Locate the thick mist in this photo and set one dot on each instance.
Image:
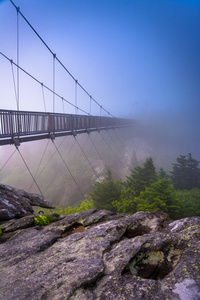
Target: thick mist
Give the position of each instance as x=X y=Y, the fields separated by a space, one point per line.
x=163 y=136
x=170 y=134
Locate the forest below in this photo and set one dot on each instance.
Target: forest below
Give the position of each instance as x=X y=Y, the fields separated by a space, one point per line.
x=177 y=194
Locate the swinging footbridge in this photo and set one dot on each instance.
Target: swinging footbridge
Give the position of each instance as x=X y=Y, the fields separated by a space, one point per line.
x=18 y=126
x=25 y=126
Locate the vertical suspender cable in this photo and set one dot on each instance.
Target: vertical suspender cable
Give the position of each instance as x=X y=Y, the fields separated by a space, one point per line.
x=90 y=104
x=54 y=77
x=76 y=82
x=43 y=97
x=13 y=76
x=18 y=58
x=54 y=55
x=63 y=105
x=18 y=117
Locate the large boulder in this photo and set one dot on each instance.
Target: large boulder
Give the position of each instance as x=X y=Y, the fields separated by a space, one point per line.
x=16 y=203
x=101 y=255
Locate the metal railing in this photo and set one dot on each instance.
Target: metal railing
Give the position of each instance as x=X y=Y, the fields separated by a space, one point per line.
x=18 y=125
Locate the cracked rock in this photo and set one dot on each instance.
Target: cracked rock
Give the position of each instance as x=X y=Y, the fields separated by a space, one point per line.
x=101 y=255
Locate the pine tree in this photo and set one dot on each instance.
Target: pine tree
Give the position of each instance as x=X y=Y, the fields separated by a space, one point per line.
x=141 y=177
x=160 y=195
x=106 y=192
x=185 y=173
x=162 y=174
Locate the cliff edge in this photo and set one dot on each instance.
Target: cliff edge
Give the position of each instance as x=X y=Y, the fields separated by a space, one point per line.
x=100 y=255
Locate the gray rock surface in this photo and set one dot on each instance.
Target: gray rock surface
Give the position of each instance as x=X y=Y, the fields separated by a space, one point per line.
x=101 y=255
x=16 y=203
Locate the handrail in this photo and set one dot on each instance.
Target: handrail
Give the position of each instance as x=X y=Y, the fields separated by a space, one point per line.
x=15 y=124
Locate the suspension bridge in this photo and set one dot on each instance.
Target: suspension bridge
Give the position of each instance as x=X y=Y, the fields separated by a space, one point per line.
x=18 y=126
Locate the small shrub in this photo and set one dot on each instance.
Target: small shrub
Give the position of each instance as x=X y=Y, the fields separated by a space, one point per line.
x=41 y=220
x=51 y=218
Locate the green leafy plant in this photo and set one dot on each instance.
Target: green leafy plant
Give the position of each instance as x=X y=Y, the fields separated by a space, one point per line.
x=41 y=220
x=85 y=205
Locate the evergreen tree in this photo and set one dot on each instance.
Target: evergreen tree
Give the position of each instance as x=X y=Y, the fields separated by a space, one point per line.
x=126 y=203
x=141 y=177
x=106 y=192
x=185 y=173
x=160 y=195
x=190 y=200
x=162 y=174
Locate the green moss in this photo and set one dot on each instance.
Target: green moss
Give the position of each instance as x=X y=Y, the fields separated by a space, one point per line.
x=1 y=231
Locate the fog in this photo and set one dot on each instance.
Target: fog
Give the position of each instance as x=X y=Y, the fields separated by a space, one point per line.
x=163 y=136
x=171 y=134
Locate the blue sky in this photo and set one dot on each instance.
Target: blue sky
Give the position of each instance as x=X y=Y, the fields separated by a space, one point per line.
x=131 y=55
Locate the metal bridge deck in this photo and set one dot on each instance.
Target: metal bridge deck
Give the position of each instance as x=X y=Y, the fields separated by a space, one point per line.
x=24 y=126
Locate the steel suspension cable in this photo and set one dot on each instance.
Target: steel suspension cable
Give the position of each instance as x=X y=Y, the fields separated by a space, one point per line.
x=30 y=171
x=8 y=160
x=123 y=142
x=95 y=147
x=125 y=134
x=86 y=157
x=63 y=105
x=51 y=157
x=76 y=94
x=68 y=169
x=45 y=86
x=39 y=164
x=43 y=96
x=90 y=104
x=13 y=76
x=19 y=12
x=54 y=78
x=18 y=58
x=108 y=132
x=120 y=135
x=111 y=150
x=58 y=169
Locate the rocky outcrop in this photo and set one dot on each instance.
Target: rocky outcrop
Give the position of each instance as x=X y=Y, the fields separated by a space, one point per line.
x=16 y=203
x=101 y=255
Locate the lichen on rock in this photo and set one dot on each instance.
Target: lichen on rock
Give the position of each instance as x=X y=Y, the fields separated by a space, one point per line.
x=101 y=255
